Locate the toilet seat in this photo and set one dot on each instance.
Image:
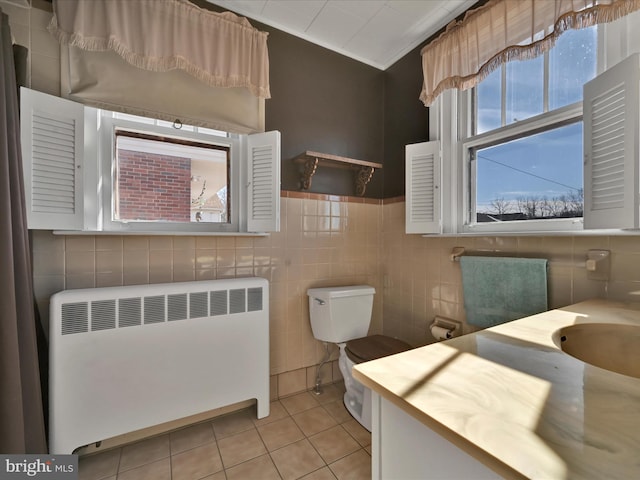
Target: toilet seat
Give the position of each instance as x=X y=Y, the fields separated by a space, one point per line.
x=372 y=347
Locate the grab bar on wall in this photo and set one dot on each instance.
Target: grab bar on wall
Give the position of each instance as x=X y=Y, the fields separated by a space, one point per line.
x=596 y=261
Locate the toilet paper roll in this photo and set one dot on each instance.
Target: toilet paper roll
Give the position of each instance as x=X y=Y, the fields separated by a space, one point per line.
x=440 y=333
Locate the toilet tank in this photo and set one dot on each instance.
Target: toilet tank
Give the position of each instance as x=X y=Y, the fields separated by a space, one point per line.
x=340 y=314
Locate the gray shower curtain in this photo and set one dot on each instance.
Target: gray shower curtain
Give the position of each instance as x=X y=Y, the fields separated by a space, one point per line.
x=21 y=413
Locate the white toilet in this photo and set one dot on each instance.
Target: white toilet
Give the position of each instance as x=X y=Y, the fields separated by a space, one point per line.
x=342 y=315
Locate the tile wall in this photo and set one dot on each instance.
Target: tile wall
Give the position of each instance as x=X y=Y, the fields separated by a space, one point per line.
x=324 y=241
x=421 y=281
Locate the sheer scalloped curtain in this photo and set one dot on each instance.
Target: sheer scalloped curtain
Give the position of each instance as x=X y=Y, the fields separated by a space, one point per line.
x=503 y=30
x=22 y=427
x=166 y=59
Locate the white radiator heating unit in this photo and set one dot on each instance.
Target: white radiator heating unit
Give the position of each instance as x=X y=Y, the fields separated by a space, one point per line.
x=126 y=358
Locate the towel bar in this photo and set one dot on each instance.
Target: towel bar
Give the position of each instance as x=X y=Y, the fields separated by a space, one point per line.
x=596 y=261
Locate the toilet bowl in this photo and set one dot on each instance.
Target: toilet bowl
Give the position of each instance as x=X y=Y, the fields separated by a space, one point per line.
x=342 y=315
x=357 y=398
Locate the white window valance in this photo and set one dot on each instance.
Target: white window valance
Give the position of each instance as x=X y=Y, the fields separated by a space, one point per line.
x=219 y=49
x=504 y=30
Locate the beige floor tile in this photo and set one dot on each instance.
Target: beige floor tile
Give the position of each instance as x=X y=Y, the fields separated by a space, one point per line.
x=159 y=470
x=196 y=463
x=280 y=433
x=356 y=466
x=300 y=402
x=357 y=431
x=241 y=443
x=98 y=466
x=216 y=476
x=334 y=443
x=191 y=437
x=241 y=447
x=330 y=393
x=324 y=473
x=276 y=412
x=233 y=423
x=314 y=421
x=338 y=411
x=144 y=452
x=261 y=468
x=297 y=459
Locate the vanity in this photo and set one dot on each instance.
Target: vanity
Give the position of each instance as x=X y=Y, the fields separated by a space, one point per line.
x=520 y=400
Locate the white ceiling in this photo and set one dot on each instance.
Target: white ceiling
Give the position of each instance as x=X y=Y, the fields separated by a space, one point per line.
x=375 y=32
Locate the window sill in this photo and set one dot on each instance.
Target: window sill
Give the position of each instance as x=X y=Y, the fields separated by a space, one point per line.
x=161 y=233
x=548 y=233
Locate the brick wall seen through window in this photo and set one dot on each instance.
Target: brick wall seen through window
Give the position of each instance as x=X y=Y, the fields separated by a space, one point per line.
x=153 y=187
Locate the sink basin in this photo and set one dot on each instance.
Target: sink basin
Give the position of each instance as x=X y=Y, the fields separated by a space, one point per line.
x=614 y=347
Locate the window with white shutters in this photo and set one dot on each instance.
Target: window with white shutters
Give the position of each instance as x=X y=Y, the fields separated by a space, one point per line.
x=548 y=144
x=145 y=175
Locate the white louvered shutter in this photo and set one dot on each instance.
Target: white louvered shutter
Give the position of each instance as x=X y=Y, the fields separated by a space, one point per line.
x=52 y=138
x=611 y=132
x=422 y=184
x=264 y=182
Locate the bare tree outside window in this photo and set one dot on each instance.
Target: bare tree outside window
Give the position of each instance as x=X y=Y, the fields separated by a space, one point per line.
x=567 y=205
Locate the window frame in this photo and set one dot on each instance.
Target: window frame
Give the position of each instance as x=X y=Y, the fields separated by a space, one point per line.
x=540 y=123
x=178 y=147
x=545 y=121
x=108 y=124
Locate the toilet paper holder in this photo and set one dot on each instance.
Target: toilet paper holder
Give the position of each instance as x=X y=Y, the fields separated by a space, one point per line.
x=453 y=326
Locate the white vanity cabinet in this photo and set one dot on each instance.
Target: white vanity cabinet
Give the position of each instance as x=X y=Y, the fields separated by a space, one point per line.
x=403 y=448
x=508 y=402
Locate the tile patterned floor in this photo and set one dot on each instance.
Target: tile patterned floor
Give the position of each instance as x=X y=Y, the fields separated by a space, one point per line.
x=305 y=436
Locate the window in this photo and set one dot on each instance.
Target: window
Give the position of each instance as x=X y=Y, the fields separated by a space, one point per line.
x=163 y=179
x=537 y=176
x=524 y=155
x=160 y=176
x=143 y=175
x=523 y=89
x=515 y=154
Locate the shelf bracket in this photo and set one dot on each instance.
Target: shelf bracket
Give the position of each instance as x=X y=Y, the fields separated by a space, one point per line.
x=310 y=168
x=363 y=178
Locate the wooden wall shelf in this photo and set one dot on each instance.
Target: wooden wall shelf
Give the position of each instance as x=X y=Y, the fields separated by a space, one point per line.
x=364 y=170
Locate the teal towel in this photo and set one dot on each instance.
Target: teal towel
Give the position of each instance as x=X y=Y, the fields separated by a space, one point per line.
x=501 y=289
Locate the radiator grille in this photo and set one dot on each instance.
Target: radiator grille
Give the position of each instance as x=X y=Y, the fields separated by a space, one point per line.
x=198 y=306
x=237 y=300
x=219 y=303
x=98 y=315
x=254 y=299
x=177 y=304
x=75 y=318
x=103 y=315
x=154 y=309
x=129 y=312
